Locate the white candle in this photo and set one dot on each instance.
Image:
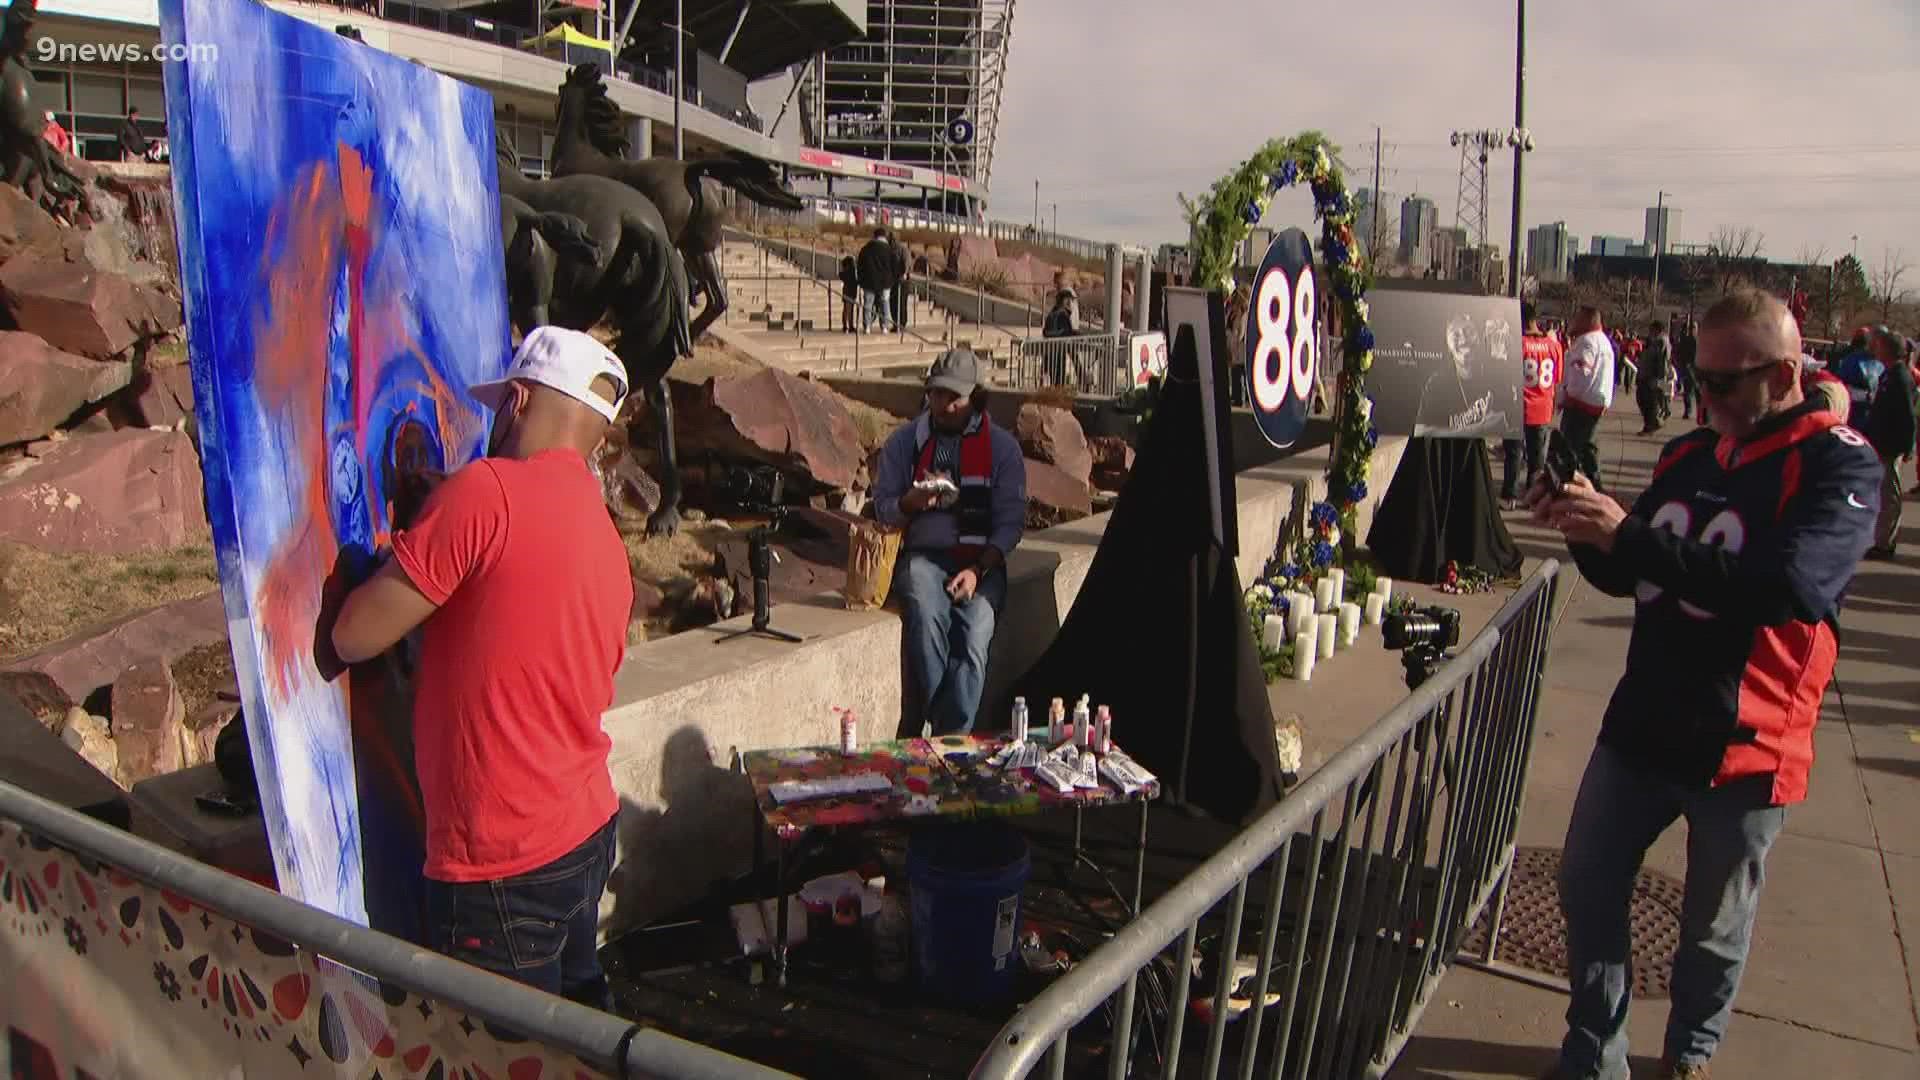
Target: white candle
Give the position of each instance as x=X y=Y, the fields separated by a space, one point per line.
x=1303 y=646
x=1339 y=577
x=1349 y=624
x=1323 y=594
x=1329 y=628
x=1376 y=607
x=1271 y=632
x=1299 y=610
x=1383 y=588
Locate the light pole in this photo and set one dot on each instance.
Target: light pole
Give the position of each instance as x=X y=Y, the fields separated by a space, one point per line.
x=1659 y=241
x=679 y=76
x=1036 y=208
x=1520 y=145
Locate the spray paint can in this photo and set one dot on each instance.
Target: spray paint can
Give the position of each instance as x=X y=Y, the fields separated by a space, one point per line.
x=1019 y=720
x=1103 y=737
x=1056 y=722
x=848 y=732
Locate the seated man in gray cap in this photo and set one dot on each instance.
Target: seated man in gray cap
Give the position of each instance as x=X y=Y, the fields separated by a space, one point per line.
x=958 y=484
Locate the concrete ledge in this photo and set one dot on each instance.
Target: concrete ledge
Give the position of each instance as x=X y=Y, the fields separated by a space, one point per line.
x=684 y=705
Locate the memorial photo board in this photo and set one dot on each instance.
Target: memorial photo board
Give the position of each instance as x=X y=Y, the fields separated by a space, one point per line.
x=1444 y=365
x=341 y=268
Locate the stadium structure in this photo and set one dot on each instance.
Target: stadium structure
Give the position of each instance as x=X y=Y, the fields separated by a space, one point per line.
x=874 y=87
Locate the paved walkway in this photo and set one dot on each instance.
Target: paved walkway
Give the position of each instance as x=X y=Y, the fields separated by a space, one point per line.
x=1830 y=987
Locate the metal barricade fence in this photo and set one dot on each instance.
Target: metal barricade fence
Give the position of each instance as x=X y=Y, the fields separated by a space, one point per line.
x=108 y=931
x=1351 y=933
x=1094 y=364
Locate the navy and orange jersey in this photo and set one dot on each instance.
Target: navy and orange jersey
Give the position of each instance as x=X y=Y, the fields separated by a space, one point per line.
x=1737 y=556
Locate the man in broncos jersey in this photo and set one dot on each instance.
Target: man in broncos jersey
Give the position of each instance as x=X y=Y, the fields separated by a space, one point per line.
x=1737 y=555
x=1540 y=359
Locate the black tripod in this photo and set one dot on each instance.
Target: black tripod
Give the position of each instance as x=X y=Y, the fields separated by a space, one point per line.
x=760 y=563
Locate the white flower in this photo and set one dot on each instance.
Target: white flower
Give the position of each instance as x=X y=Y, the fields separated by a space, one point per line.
x=1361 y=310
x=1289 y=748
x=1262 y=591
x=1321 y=162
x=1333 y=536
x=1366 y=408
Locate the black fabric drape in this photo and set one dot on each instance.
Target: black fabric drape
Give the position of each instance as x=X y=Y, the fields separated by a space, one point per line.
x=1441 y=507
x=1137 y=621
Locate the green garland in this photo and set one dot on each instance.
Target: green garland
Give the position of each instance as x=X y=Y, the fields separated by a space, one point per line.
x=1220 y=221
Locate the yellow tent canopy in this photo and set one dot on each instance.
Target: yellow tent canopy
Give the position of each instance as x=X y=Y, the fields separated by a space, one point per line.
x=565 y=33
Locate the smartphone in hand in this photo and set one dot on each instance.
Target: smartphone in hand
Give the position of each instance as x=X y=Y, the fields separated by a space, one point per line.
x=1561 y=464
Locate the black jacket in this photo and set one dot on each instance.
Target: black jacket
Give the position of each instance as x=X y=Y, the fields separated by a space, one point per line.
x=1889 y=423
x=131 y=139
x=878 y=268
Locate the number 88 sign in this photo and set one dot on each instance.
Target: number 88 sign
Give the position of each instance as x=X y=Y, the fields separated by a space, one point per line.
x=1283 y=359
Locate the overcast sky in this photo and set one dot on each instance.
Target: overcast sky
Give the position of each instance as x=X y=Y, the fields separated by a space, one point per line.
x=1801 y=120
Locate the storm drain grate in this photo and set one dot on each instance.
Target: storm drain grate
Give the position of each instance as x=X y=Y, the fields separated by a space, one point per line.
x=1533 y=935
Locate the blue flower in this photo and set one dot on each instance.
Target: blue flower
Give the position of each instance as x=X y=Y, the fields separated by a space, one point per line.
x=1288 y=174
x=1357 y=492
x=1344 y=291
x=1362 y=339
x=1251 y=215
x=1289 y=571
x=1335 y=251
x=1373 y=436
x=1340 y=203
x=1323 y=554
x=1324 y=515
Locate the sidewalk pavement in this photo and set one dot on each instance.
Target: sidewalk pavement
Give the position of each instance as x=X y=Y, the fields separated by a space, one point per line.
x=1829 y=990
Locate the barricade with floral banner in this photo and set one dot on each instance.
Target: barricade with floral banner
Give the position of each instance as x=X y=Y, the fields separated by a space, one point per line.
x=107 y=976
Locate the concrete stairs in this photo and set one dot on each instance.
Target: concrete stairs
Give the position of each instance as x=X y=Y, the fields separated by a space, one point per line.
x=788 y=319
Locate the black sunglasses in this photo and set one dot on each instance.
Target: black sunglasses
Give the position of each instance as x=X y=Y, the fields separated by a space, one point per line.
x=1721 y=383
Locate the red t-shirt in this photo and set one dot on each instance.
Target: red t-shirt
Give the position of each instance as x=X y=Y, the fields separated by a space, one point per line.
x=517 y=664
x=1541 y=361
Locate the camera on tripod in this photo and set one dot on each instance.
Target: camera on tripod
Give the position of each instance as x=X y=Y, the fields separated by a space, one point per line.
x=1423 y=637
x=754 y=489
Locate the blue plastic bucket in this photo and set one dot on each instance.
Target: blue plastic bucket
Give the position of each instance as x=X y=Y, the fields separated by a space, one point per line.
x=966 y=882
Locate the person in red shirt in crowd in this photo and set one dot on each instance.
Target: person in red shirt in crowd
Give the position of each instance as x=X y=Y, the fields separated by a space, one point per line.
x=1541 y=359
x=519 y=583
x=56 y=135
x=1628 y=349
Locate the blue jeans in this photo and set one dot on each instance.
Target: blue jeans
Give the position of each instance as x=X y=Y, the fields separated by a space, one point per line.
x=538 y=928
x=1621 y=809
x=946 y=643
x=874 y=308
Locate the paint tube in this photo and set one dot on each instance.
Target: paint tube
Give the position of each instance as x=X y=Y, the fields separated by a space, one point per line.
x=1056 y=774
x=1103 y=734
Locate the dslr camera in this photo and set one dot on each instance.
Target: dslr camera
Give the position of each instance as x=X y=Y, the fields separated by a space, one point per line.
x=1423 y=637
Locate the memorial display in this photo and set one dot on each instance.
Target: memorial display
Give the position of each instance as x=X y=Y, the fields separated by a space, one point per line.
x=1446 y=365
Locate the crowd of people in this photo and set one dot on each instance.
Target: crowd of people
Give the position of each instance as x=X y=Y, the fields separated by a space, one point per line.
x=1868 y=383
x=876 y=285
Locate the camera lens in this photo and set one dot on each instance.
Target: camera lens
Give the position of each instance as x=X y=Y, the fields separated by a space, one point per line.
x=1410 y=630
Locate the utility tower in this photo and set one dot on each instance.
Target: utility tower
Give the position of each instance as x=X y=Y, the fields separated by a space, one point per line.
x=1470 y=208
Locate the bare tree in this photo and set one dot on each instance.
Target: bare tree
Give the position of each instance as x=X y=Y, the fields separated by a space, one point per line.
x=1884 y=282
x=1735 y=249
x=1811 y=255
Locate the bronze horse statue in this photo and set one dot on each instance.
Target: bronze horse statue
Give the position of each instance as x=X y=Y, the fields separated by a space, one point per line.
x=610 y=258
x=534 y=244
x=26 y=157
x=591 y=139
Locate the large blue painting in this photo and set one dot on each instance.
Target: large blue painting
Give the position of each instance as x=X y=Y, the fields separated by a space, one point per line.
x=340 y=258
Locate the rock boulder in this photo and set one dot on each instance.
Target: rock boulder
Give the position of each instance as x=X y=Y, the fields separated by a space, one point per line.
x=80 y=665
x=1052 y=434
x=800 y=427
x=116 y=494
x=1054 y=497
x=149 y=722
x=41 y=386
x=25 y=229
x=90 y=737
x=82 y=309
x=157 y=397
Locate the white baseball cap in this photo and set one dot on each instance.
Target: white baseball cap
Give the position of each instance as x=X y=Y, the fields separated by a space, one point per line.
x=565 y=360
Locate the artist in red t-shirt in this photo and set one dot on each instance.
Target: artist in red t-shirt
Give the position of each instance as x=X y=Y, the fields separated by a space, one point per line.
x=519 y=583
x=1540 y=357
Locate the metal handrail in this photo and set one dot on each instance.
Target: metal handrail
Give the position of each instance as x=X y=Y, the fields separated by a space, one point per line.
x=604 y=1041
x=1115 y=966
